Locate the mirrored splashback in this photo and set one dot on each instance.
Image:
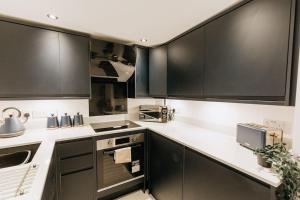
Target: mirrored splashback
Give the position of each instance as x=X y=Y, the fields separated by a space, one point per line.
x=107 y=97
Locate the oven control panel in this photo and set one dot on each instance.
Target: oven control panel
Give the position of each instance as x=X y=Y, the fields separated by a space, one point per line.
x=120 y=141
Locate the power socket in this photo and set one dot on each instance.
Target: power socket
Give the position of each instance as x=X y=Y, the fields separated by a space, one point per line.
x=42 y=114
x=276 y=124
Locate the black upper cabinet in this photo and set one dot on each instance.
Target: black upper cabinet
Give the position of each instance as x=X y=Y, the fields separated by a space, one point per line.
x=29 y=64
x=158 y=71
x=246 y=52
x=138 y=84
x=74 y=61
x=37 y=63
x=166 y=168
x=185 y=65
x=207 y=179
x=242 y=54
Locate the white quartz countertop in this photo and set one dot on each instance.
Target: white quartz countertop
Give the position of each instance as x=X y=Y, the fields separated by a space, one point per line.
x=42 y=158
x=218 y=146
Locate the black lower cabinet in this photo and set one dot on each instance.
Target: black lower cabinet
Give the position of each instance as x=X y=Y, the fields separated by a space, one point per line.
x=166 y=167
x=208 y=180
x=76 y=172
x=78 y=186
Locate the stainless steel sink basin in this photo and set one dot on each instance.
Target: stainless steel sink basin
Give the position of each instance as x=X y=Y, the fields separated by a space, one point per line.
x=17 y=155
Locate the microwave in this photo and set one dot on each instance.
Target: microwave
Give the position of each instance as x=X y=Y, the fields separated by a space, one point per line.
x=155 y=113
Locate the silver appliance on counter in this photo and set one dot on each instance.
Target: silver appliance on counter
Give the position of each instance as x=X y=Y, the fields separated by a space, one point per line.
x=13 y=124
x=255 y=136
x=65 y=121
x=156 y=113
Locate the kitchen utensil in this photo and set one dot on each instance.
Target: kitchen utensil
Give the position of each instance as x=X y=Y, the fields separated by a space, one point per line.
x=78 y=120
x=65 y=121
x=13 y=125
x=52 y=122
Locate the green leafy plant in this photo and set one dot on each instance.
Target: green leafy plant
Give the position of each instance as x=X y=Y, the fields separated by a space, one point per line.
x=286 y=165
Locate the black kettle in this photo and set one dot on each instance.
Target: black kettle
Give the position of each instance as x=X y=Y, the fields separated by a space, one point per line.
x=13 y=125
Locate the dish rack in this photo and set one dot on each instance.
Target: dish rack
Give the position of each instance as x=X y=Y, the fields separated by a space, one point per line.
x=17 y=181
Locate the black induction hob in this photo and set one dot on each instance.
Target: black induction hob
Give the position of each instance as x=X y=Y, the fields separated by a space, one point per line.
x=114 y=125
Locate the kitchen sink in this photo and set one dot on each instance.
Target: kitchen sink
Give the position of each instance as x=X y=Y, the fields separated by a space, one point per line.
x=14 y=156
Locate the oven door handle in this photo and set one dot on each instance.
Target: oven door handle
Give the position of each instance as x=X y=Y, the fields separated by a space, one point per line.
x=108 y=152
x=113 y=151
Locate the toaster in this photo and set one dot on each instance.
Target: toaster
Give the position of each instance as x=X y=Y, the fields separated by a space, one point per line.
x=255 y=136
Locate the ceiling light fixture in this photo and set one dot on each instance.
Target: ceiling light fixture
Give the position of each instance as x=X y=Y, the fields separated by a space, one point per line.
x=143 y=40
x=52 y=16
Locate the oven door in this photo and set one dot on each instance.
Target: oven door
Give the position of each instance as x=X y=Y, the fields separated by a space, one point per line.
x=110 y=174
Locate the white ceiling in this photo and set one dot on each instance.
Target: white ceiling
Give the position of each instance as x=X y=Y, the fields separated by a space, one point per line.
x=127 y=20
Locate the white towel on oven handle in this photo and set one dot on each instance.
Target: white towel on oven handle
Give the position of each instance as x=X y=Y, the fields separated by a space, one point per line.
x=122 y=155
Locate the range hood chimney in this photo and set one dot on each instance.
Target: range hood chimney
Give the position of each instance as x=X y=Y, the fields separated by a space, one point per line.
x=113 y=61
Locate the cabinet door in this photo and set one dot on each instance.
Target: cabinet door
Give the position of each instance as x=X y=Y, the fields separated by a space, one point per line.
x=76 y=173
x=142 y=72
x=206 y=179
x=166 y=168
x=29 y=61
x=78 y=186
x=74 y=62
x=246 y=52
x=185 y=65
x=158 y=71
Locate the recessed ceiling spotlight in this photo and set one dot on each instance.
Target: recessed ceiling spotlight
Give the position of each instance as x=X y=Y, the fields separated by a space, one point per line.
x=143 y=40
x=52 y=16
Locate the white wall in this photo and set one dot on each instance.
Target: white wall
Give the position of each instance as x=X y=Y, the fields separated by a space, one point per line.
x=133 y=110
x=39 y=110
x=296 y=128
x=225 y=116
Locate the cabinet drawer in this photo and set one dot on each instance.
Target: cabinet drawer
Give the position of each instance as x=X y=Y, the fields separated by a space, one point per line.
x=78 y=186
x=75 y=148
x=76 y=163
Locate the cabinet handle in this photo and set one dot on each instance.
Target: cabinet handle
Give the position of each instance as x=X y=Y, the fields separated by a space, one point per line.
x=77 y=171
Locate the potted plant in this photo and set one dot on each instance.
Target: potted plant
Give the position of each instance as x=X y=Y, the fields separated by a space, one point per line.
x=286 y=165
x=264 y=156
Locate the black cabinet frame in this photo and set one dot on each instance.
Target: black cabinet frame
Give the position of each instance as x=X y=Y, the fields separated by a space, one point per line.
x=271 y=189
x=59 y=94
x=235 y=171
x=292 y=62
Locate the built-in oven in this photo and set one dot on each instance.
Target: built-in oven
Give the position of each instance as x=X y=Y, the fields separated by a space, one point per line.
x=111 y=172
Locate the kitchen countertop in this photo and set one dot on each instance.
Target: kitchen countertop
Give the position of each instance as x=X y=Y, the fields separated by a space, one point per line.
x=218 y=146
